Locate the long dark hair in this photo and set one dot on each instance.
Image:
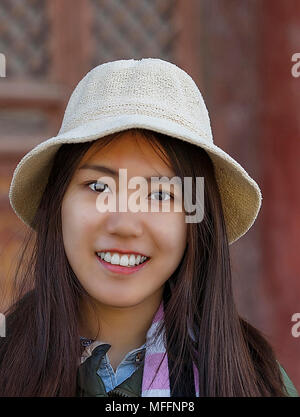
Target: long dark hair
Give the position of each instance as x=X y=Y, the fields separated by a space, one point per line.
x=41 y=352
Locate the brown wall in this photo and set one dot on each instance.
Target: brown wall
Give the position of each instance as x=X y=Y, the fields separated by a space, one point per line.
x=280 y=164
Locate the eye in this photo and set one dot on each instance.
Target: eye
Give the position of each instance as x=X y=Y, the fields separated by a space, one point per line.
x=102 y=186
x=160 y=193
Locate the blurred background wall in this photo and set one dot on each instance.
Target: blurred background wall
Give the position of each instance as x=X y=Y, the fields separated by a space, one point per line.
x=239 y=53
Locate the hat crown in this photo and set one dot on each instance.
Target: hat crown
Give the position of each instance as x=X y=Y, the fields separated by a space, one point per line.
x=150 y=87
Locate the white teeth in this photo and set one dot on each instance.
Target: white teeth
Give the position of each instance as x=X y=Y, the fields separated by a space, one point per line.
x=132 y=260
x=107 y=257
x=115 y=260
x=123 y=260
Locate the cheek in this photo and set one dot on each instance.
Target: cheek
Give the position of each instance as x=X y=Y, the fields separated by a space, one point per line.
x=170 y=235
x=75 y=225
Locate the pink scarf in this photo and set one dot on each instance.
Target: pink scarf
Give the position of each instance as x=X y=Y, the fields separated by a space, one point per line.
x=155 y=350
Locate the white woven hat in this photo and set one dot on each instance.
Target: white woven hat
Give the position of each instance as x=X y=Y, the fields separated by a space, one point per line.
x=149 y=93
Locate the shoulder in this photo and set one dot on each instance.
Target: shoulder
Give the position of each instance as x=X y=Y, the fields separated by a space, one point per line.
x=289 y=386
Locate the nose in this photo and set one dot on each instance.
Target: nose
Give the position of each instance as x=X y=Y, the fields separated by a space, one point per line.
x=124 y=224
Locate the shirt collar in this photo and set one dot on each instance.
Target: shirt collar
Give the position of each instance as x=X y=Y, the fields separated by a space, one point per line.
x=91 y=344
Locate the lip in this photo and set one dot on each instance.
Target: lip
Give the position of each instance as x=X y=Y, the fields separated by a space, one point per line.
x=124 y=270
x=122 y=251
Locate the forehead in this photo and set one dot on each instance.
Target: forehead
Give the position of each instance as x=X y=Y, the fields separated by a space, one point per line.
x=128 y=150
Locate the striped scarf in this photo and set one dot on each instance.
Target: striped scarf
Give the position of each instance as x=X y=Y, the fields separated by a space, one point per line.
x=155 y=349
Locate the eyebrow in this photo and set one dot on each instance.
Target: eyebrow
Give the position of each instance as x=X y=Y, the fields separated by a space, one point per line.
x=110 y=171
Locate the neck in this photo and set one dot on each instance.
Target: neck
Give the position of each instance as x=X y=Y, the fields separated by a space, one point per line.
x=124 y=328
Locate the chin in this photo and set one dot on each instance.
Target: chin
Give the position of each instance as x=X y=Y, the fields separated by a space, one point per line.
x=119 y=300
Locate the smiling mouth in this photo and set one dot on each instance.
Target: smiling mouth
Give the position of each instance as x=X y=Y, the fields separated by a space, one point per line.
x=125 y=260
x=120 y=269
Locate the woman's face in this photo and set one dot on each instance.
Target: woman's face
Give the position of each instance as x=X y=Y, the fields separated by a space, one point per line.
x=160 y=236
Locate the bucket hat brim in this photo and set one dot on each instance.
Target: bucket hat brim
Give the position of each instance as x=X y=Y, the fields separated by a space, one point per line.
x=240 y=195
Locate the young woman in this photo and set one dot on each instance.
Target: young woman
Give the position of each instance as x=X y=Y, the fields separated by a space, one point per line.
x=114 y=301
